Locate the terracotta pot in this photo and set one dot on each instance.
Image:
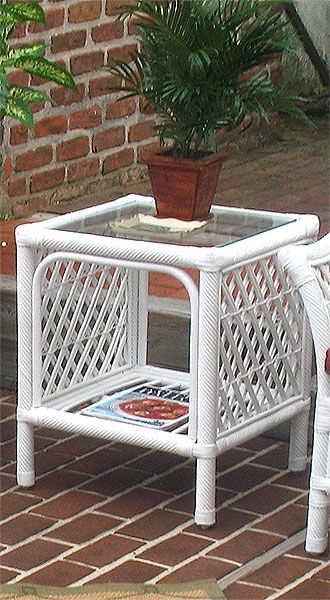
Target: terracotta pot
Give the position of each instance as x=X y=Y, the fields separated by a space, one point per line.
x=184 y=188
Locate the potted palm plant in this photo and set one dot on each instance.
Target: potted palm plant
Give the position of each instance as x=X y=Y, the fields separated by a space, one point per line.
x=199 y=67
x=15 y=100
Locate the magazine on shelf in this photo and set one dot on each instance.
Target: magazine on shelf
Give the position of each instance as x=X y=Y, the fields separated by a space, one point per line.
x=149 y=406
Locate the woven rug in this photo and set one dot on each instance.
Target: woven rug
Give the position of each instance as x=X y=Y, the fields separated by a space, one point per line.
x=196 y=590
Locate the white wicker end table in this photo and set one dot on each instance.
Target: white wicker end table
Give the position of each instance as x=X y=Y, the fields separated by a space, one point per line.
x=82 y=326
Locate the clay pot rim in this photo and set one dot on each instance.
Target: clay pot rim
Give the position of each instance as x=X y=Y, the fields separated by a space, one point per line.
x=164 y=158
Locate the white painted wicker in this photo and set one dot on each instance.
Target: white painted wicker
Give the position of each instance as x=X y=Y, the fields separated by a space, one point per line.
x=309 y=267
x=83 y=331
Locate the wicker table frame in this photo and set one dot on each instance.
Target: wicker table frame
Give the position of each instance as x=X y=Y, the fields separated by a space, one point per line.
x=82 y=328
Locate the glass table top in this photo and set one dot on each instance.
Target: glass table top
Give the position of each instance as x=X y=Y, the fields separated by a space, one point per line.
x=225 y=226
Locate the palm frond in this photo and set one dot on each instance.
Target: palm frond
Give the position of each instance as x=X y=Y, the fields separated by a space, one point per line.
x=195 y=62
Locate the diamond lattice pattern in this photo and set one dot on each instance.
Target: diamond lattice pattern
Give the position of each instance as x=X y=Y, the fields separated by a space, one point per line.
x=84 y=323
x=261 y=342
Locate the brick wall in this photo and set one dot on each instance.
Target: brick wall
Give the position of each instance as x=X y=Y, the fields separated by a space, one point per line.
x=87 y=135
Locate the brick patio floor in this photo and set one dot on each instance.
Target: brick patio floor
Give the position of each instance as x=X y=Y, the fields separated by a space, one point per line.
x=111 y=513
x=102 y=513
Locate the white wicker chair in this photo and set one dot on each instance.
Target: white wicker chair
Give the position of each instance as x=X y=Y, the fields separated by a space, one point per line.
x=309 y=267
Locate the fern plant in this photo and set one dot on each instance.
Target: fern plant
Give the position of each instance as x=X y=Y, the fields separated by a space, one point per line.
x=196 y=63
x=15 y=100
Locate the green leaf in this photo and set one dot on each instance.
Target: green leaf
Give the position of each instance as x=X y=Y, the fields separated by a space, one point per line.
x=47 y=70
x=3 y=46
x=27 y=95
x=19 y=110
x=13 y=14
x=15 y=54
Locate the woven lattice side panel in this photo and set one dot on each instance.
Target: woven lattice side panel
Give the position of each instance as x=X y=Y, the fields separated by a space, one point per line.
x=84 y=323
x=322 y=273
x=261 y=342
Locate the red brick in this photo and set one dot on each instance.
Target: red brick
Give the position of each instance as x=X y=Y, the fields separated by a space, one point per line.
x=244 y=477
x=18 y=134
x=248 y=592
x=201 y=568
x=51 y=126
x=84 y=528
x=64 y=96
x=17 y=77
x=131 y=571
x=32 y=554
x=105 y=551
x=107 y=32
x=17 y=187
x=84 y=63
x=47 y=180
x=113 y=7
x=18 y=529
x=145 y=108
x=7 y=575
x=37 y=203
x=83 y=169
x=64 y=42
x=67 y=505
x=177 y=482
x=102 y=86
x=7 y=481
x=121 y=53
x=7 y=168
x=120 y=480
x=37 y=107
x=108 y=138
x=176 y=549
x=141 y=131
x=287 y=521
x=312 y=587
x=153 y=525
x=120 y=108
x=246 y=546
x=280 y=571
x=276 y=458
x=51 y=484
x=133 y=502
x=7 y=430
x=147 y=150
x=86 y=118
x=73 y=148
x=118 y=160
x=61 y=573
x=54 y=18
x=131 y=26
x=75 y=447
x=84 y=11
x=34 y=158
x=19 y=31
x=265 y=499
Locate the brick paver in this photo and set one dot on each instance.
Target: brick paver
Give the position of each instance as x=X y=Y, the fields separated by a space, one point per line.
x=101 y=514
